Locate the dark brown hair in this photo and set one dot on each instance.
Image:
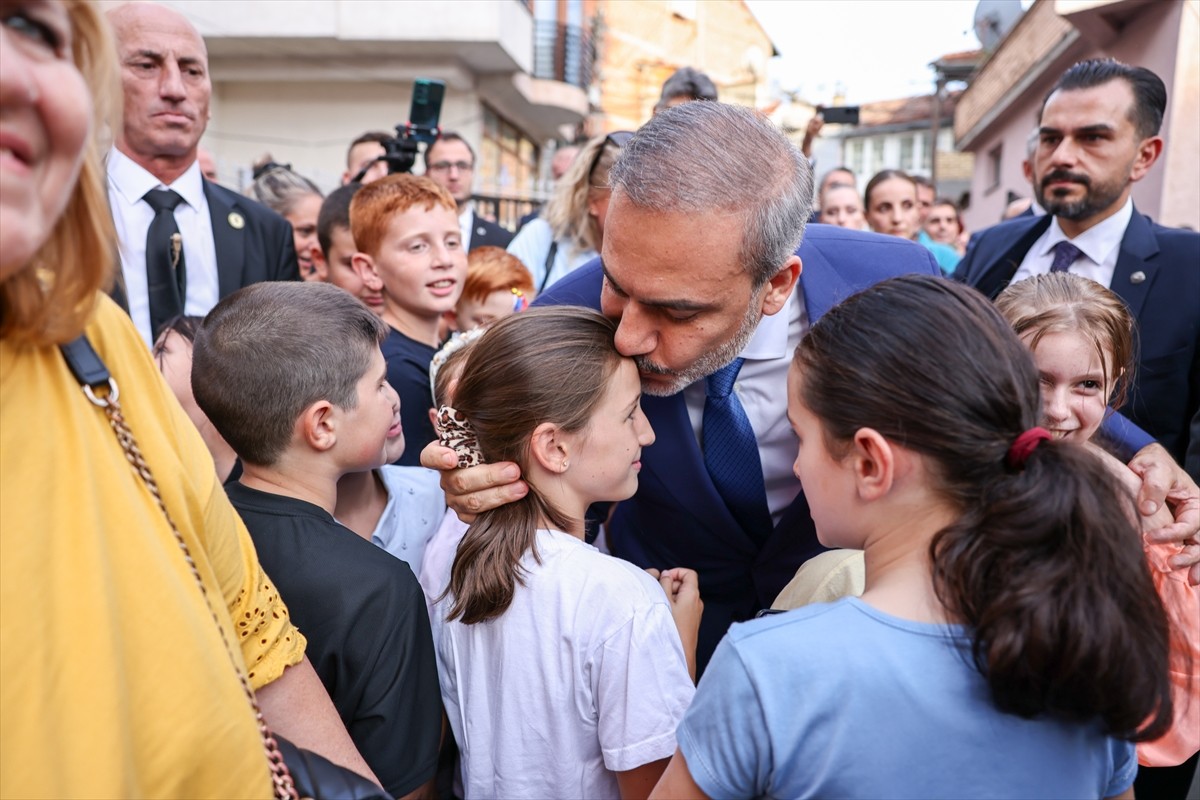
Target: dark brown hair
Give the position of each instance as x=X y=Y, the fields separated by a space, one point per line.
x=880 y=177
x=1045 y=563
x=268 y=351
x=543 y=365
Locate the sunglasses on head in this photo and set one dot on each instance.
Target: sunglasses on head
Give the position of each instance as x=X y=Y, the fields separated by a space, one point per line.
x=617 y=139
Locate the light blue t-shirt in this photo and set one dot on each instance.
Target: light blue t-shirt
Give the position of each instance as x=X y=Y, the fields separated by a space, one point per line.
x=842 y=700
x=414 y=510
x=946 y=256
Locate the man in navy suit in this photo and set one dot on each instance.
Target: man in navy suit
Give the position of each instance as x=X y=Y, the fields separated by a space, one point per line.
x=221 y=240
x=701 y=262
x=1097 y=135
x=703 y=268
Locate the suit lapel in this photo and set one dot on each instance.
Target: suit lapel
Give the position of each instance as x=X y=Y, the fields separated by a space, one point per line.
x=1000 y=273
x=228 y=227
x=678 y=465
x=1135 y=270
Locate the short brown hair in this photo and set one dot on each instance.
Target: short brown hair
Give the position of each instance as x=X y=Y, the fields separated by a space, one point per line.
x=50 y=299
x=269 y=351
x=1059 y=302
x=375 y=204
x=494 y=269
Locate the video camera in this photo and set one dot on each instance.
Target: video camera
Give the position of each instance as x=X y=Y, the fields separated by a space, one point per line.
x=400 y=152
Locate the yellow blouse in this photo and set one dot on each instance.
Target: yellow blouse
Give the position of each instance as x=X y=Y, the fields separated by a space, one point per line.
x=114 y=681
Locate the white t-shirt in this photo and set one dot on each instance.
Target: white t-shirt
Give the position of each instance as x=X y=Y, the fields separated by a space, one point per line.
x=583 y=676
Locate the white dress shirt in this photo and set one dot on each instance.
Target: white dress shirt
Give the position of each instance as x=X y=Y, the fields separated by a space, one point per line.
x=761 y=387
x=466 y=224
x=127 y=185
x=1100 y=246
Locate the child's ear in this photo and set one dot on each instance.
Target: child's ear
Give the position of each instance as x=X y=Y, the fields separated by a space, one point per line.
x=317 y=426
x=320 y=265
x=874 y=463
x=364 y=266
x=549 y=448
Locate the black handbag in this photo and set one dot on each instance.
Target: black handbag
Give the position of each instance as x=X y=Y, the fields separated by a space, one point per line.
x=317 y=777
x=295 y=772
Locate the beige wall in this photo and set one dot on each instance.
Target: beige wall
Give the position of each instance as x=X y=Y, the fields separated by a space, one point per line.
x=644 y=42
x=310 y=125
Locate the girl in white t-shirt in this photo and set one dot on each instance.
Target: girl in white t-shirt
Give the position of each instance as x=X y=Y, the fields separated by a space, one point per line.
x=564 y=671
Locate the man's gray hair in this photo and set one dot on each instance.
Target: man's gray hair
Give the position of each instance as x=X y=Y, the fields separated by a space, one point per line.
x=706 y=156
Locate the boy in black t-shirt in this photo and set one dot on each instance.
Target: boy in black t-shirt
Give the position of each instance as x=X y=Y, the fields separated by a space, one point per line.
x=292 y=376
x=410 y=247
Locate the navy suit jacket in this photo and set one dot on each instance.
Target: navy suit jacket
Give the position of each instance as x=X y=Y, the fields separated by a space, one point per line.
x=677 y=519
x=253 y=243
x=487 y=234
x=1158 y=277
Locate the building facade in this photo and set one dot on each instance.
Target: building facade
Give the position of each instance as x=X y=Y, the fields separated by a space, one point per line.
x=301 y=79
x=997 y=113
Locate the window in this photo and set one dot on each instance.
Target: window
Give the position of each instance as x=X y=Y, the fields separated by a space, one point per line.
x=875 y=163
x=854 y=156
x=993 y=166
x=906 y=153
x=508 y=163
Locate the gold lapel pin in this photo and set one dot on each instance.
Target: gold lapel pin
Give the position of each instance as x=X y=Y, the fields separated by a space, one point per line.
x=1138 y=277
x=236 y=220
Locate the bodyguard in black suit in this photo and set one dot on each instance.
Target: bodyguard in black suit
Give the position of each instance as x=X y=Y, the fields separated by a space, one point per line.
x=1098 y=135
x=185 y=242
x=450 y=162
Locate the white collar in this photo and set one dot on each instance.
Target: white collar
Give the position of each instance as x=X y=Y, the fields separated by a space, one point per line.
x=1098 y=242
x=464 y=216
x=770 y=339
x=132 y=181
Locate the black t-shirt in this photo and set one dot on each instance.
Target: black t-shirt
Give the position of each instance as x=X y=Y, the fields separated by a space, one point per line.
x=365 y=619
x=408 y=372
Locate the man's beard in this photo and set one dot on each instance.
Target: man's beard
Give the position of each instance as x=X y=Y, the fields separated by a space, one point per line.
x=1096 y=198
x=708 y=363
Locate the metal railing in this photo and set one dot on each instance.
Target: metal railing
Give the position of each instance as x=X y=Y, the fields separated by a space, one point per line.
x=563 y=53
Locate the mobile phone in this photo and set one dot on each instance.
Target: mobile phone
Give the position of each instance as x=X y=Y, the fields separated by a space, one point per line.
x=426 y=109
x=842 y=115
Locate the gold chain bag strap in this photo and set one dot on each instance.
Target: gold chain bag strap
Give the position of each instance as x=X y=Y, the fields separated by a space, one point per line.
x=93 y=376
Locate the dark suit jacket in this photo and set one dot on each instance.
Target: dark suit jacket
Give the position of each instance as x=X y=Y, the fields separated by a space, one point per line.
x=262 y=250
x=253 y=243
x=677 y=519
x=1158 y=277
x=484 y=233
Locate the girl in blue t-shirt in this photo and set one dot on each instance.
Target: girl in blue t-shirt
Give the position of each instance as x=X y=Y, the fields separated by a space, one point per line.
x=1009 y=641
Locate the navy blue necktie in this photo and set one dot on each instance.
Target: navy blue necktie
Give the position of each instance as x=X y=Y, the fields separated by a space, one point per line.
x=166 y=278
x=1065 y=255
x=731 y=453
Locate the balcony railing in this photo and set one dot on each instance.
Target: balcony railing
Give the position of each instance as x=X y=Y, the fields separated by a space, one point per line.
x=563 y=53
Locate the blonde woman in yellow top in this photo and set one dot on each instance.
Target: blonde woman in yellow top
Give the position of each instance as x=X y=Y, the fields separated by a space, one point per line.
x=115 y=676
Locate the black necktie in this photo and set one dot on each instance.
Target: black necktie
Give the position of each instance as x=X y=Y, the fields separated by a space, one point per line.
x=166 y=280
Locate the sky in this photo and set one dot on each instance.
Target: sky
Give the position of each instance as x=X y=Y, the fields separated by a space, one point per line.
x=875 y=49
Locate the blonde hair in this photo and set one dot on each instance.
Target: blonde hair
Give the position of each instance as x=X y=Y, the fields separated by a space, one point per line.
x=49 y=300
x=1059 y=302
x=567 y=212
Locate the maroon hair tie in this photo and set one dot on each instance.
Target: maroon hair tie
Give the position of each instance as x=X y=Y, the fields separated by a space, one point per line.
x=1024 y=445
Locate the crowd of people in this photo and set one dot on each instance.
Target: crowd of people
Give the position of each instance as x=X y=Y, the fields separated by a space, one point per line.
x=693 y=487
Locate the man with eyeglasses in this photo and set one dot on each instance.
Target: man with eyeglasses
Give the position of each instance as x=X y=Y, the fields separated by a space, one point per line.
x=450 y=162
